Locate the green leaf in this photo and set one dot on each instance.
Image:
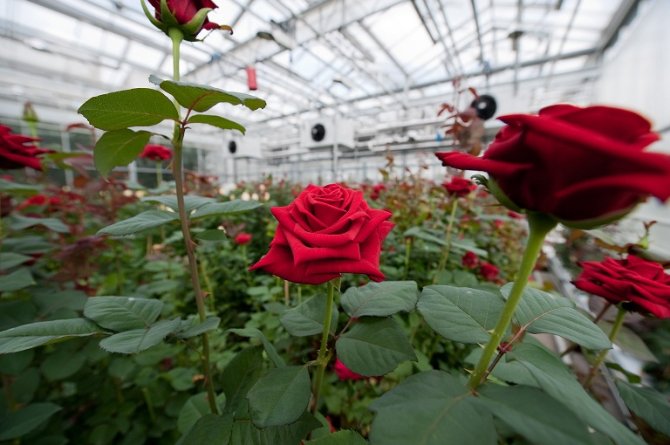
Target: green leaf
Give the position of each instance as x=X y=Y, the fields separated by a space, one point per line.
x=202 y=97
x=138 y=223
x=630 y=342
x=18 y=222
x=459 y=313
x=307 y=318
x=648 y=404
x=246 y=433
x=62 y=364
x=117 y=148
x=19 y=423
x=122 y=313
x=435 y=237
x=11 y=259
x=542 y=312
x=136 y=340
x=280 y=396
x=240 y=375
x=342 y=437
x=212 y=235
x=380 y=299
x=31 y=335
x=225 y=208
x=536 y=366
x=137 y=107
x=14 y=364
x=194 y=408
x=374 y=346
x=14 y=187
x=27 y=245
x=210 y=429
x=533 y=414
x=269 y=348
x=217 y=121
x=198 y=328
x=17 y=280
x=430 y=408
x=191 y=202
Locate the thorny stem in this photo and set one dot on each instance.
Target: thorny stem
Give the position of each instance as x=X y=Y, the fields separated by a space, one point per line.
x=177 y=142
x=447 y=241
x=618 y=322
x=323 y=357
x=540 y=225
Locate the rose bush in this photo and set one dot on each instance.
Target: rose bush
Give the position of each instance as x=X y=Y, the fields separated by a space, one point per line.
x=459 y=187
x=582 y=166
x=325 y=232
x=641 y=284
x=18 y=151
x=156 y=152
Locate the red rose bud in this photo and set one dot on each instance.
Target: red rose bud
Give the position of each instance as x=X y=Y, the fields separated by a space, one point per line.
x=324 y=232
x=583 y=166
x=643 y=285
x=156 y=153
x=470 y=260
x=488 y=271
x=242 y=238
x=459 y=187
x=189 y=16
x=18 y=151
x=344 y=373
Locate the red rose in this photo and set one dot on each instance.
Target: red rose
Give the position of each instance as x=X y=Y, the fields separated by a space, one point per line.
x=583 y=166
x=156 y=152
x=187 y=13
x=488 y=271
x=344 y=373
x=642 y=284
x=18 y=151
x=324 y=232
x=470 y=260
x=36 y=200
x=242 y=238
x=376 y=191
x=459 y=187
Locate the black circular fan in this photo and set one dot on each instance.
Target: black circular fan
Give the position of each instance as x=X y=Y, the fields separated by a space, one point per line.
x=318 y=132
x=485 y=105
x=232 y=147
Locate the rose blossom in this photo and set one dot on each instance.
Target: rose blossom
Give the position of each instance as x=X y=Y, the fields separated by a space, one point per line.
x=642 y=285
x=186 y=15
x=18 y=151
x=324 y=232
x=582 y=166
x=242 y=238
x=470 y=260
x=156 y=152
x=459 y=187
x=344 y=373
x=488 y=271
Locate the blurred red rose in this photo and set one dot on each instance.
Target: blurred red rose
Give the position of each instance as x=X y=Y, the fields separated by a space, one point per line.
x=488 y=271
x=459 y=187
x=344 y=373
x=242 y=238
x=185 y=13
x=156 y=152
x=376 y=191
x=324 y=232
x=642 y=285
x=470 y=260
x=583 y=166
x=18 y=151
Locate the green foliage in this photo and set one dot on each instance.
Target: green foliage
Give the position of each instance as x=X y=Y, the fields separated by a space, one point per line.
x=460 y=314
x=122 y=313
x=380 y=299
x=430 y=408
x=9 y=260
x=196 y=328
x=542 y=312
x=137 y=340
x=139 y=223
x=269 y=348
x=16 y=424
x=117 y=148
x=17 y=280
x=374 y=346
x=209 y=429
x=225 y=208
x=31 y=335
x=217 y=121
x=307 y=318
x=202 y=97
x=19 y=222
x=346 y=437
x=137 y=107
x=280 y=396
x=195 y=408
x=191 y=202
x=648 y=404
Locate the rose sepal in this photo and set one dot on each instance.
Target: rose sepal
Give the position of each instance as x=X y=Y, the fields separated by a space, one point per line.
x=588 y=224
x=502 y=198
x=193 y=26
x=168 y=19
x=157 y=23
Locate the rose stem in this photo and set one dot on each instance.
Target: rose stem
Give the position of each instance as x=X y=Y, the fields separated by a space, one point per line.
x=540 y=225
x=323 y=357
x=177 y=140
x=287 y=294
x=408 y=253
x=618 y=322
x=447 y=241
